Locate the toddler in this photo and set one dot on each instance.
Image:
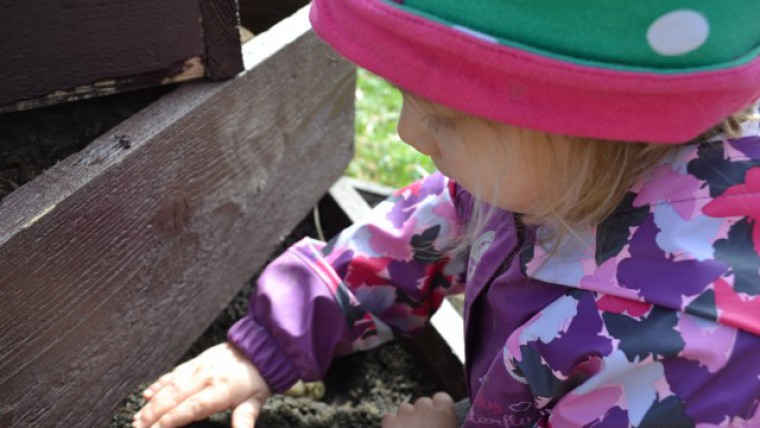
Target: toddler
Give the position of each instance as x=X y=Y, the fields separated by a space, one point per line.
x=596 y=202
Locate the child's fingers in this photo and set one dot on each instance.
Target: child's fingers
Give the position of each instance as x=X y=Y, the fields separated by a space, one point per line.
x=423 y=402
x=157 y=385
x=184 y=368
x=442 y=399
x=168 y=397
x=405 y=408
x=196 y=407
x=388 y=420
x=246 y=413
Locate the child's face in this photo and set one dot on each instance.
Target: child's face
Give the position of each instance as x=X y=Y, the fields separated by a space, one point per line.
x=477 y=154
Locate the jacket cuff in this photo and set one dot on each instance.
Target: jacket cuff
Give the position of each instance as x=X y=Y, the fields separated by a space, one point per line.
x=265 y=353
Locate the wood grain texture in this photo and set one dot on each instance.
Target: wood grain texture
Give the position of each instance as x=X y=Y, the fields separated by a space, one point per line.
x=222 y=38
x=114 y=260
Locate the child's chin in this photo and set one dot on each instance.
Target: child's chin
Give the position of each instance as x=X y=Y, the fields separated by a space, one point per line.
x=439 y=165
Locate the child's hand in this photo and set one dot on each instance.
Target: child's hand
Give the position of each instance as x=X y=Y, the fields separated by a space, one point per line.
x=218 y=379
x=437 y=412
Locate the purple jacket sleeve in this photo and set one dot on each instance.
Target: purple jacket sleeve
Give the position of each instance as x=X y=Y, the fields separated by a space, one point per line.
x=379 y=278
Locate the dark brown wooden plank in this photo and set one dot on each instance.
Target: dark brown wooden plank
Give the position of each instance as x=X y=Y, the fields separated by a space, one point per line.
x=222 y=38
x=51 y=45
x=54 y=51
x=114 y=260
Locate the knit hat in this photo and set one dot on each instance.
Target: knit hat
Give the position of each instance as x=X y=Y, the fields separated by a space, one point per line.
x=647 y=70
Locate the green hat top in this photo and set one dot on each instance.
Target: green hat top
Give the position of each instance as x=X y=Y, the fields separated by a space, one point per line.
x=649 y=34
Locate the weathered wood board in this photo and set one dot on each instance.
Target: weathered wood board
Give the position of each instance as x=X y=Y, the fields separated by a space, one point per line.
x=54 y=51
x=113 y=261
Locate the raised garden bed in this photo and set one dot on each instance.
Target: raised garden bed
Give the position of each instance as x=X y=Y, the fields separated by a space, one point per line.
x=113 y=260
x=128 y=222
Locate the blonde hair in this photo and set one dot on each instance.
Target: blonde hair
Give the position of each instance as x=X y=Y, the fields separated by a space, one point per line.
x=588 y=178
x=579 y=181
x=584 y=179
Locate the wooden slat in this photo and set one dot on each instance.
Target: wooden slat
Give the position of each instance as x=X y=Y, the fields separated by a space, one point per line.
x=53 y=46
x=222 y=38
x=54 y=51
x=450 y=324
x=349 y=200
x=375 y=190
x=114 y=260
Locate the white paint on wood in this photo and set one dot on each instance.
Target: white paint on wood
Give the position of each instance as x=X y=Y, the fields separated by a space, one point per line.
x=349 y=200
x=284 y=33
x=450 y=326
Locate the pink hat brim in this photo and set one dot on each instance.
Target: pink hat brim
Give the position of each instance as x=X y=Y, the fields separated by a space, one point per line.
x=522 y=88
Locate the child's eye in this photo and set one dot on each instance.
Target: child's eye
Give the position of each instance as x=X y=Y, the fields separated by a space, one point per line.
x=439 y=123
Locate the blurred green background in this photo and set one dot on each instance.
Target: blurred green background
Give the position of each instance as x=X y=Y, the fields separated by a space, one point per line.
x=381 y=157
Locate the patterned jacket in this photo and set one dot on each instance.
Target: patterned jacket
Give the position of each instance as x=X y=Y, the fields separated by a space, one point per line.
x=652 y=319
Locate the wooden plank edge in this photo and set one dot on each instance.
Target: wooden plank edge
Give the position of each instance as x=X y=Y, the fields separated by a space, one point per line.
x=264 y=45
x=221 y=36
x=375 y=189
x=450 y=326
x=191 y=68
x=223 y=60
x=349 y=200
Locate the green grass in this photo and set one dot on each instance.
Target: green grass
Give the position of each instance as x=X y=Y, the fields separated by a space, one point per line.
x=381 y=156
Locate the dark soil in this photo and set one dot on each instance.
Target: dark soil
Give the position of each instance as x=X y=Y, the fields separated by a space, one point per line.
x=32 y=141
x=359 y=389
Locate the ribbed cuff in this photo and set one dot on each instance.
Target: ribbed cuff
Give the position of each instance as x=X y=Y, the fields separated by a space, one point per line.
x=265 y=353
